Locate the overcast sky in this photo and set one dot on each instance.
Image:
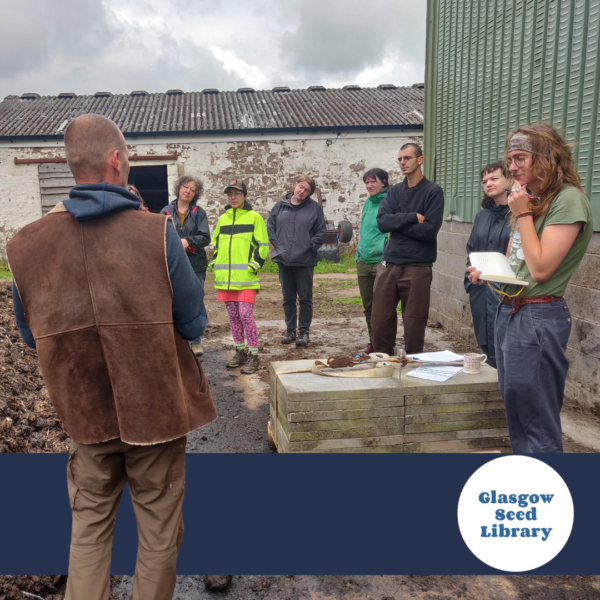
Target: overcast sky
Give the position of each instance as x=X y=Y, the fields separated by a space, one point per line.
x=86 y=46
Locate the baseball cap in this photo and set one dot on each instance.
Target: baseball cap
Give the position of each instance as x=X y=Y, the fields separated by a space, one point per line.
x=237 y=184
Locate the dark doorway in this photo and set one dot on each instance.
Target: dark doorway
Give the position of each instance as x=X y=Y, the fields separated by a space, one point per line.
x=152 y=184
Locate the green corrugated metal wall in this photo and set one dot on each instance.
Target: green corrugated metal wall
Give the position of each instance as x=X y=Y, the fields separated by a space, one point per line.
x=495 y=64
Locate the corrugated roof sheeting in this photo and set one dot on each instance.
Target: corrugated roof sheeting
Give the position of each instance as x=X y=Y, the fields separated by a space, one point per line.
x=223 y=111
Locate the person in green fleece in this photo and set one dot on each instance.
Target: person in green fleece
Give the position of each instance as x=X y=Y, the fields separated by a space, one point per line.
x=369 y=251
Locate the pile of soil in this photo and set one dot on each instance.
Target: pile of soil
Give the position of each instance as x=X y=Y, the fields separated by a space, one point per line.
x=51 y=586
x=28 y=421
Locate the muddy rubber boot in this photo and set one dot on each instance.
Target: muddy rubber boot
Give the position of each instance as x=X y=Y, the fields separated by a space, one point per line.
x=252 y=365
x=302 y=340
x=197 y=349
x=289 y=338
x=239 y=358
x=217 y=583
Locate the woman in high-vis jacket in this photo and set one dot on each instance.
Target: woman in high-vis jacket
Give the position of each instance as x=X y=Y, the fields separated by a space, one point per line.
x=241 y=247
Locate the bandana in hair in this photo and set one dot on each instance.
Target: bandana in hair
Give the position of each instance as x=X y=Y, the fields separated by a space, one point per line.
x=519 y=141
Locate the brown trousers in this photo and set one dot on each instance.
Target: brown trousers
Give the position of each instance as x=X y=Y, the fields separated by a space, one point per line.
x=96 y=476
x=366 y=274
x=411 y=286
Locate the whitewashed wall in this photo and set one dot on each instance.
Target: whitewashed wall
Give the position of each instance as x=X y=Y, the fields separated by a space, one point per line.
x=20 y=201
x=269 y=166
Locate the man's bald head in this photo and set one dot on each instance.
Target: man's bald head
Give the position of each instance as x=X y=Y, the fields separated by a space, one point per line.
x=90 y=145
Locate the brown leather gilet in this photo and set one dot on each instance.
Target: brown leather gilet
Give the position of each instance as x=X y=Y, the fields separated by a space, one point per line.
x=98 y=300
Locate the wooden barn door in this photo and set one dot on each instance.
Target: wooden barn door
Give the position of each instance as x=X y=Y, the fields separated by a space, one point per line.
x=56 y=180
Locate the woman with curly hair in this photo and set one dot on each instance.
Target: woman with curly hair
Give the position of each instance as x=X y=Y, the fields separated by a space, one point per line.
x=192 y=226
x=552 y=227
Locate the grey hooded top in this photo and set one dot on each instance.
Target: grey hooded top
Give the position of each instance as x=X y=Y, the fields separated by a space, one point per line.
x=296 y=232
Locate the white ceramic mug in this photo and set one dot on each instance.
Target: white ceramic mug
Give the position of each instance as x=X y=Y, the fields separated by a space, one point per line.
x=473 y=363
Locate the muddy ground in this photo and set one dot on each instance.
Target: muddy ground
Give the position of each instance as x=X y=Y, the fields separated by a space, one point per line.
x=242 y=404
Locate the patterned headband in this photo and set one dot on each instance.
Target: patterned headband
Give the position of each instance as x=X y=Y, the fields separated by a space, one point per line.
x=519 y=141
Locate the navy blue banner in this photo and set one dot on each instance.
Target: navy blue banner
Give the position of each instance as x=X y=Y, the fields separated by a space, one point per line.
x=295 y=514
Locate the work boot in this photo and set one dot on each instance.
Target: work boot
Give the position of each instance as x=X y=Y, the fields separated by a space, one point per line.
x=289 y=338
x=367 y=350
x=302 y=340
x=197 y=349
x=252 y=364
x=217 y=582
x=239 y=358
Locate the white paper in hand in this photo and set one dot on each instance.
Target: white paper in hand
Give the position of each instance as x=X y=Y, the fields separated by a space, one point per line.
x=494 y=267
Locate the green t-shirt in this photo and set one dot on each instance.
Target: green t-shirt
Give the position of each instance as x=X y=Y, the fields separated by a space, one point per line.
x=569 y=206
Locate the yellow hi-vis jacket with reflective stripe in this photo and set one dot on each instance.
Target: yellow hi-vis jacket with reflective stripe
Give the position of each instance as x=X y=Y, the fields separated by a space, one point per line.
x=241 y=247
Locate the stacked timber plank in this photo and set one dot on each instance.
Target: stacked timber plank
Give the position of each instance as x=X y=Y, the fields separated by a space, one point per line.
x=313 y=413
x=463 y=414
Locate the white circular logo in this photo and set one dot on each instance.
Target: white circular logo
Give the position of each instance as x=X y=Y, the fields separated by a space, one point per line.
x=515 y=513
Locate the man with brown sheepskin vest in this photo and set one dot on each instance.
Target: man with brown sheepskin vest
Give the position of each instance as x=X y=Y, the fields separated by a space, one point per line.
x=107 y=296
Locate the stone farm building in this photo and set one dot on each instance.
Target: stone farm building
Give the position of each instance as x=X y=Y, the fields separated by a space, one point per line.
x=267 y=138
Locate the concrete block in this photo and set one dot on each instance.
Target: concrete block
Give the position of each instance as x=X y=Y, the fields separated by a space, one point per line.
x=445 y=242
x=345 y=414
x=578 y=395
x=461 y=227
x=459 y=247
x=594 y=246
x=588 y=272
x=456 y=265
x=584 y=369
x=584 y=303
x=456 y=309
x=445 y=225
x=585 y=338
x=436 y=301
x=457 y=290
x=468 y=333
x=444 y=284
x=441 y=263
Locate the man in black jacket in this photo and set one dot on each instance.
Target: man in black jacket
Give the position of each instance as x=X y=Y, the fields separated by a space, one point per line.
x=412 y=212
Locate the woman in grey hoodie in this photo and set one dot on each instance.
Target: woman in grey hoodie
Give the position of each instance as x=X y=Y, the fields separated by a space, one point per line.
x=296 y=228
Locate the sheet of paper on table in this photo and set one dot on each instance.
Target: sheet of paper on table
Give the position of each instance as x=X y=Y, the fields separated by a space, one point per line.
x=443 y=356
x=437 y=373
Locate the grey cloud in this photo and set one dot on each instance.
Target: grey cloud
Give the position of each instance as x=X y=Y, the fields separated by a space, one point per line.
x=79 y=46
x=83 y=47
x=346 y=37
